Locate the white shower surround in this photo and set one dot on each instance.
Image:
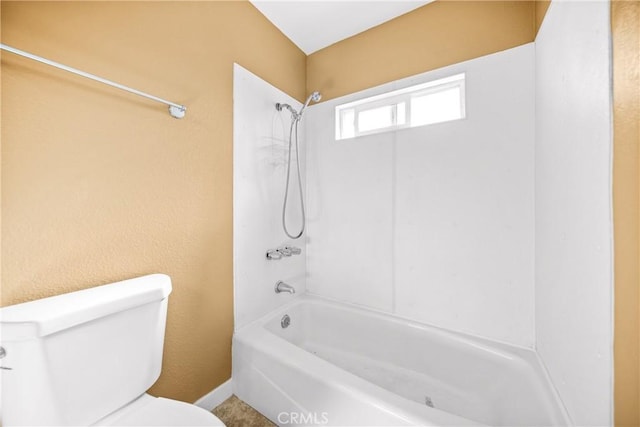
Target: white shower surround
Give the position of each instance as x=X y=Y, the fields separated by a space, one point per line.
x=574 y=250
x=260 y=140
x=435 y=223
x=372 y=202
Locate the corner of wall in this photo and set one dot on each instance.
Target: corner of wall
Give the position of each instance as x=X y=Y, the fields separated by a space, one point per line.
x=540 y=11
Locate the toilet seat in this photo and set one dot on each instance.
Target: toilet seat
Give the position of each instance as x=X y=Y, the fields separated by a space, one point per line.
x=158 y=411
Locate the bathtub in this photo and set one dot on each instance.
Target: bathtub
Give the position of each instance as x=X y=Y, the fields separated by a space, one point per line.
x=338 y=364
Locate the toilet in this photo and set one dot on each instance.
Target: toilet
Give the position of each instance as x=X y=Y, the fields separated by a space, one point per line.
x=87 y=358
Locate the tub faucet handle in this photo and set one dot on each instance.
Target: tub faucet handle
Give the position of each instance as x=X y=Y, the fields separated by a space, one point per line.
x=284 y=251
x=273 y=254
x=294 y=250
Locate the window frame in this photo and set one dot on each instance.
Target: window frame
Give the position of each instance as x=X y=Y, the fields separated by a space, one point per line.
x=395 y=98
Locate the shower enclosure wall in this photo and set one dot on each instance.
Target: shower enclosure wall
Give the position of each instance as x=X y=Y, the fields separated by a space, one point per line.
x=433 y=223
x=496 y=225
x=260 y=152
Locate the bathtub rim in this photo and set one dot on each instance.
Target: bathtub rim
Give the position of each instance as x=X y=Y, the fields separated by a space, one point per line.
x=529 y=354
x=506 y=350
x=263 y=341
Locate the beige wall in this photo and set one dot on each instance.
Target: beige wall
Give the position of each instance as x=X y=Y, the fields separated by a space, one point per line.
x=98 y=185
x=625 y=22
x=540 y=10
x=438 y=34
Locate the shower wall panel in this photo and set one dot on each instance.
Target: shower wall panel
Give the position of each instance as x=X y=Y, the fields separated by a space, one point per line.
x=260 y=141
x=574 y=281
x=433 y=223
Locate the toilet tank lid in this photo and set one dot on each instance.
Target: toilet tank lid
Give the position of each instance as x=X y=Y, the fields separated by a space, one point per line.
x=49 y=315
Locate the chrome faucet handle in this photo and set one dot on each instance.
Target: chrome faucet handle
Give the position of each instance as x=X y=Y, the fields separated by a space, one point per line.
x=273 y=254
x=284 y=251
x=294 y=250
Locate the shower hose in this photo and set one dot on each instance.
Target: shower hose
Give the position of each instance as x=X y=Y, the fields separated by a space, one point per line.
x=293 y=131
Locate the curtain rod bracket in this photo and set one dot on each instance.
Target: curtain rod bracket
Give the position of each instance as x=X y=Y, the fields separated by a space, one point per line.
x=177 y=112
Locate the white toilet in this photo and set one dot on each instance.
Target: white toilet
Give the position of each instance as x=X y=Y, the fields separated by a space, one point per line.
x=88 y=357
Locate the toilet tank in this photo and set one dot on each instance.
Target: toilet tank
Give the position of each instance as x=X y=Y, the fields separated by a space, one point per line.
x=74 y=358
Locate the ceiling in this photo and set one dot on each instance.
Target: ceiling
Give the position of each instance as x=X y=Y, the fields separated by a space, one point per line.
x=313 y=25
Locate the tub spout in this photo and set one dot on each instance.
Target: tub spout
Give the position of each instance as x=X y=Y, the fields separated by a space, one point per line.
x=283 y=287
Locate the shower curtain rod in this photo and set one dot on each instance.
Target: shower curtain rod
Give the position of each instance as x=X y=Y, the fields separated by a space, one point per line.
x=176 y=110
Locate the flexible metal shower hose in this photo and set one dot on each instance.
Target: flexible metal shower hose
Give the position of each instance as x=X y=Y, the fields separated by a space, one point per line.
x=294 y=124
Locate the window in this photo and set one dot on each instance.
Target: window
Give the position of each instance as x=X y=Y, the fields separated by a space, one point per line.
x=424 y=104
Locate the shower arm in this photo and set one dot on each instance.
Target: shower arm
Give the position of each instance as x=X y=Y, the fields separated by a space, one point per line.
x=297 y=115
x=294 y=113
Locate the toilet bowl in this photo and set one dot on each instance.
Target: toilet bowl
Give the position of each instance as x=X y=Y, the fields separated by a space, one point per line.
x=158 y=411
x=88 y=357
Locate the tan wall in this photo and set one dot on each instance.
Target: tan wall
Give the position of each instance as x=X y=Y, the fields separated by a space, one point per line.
x=438 y=34
x=625 y=20
x=98 y=185
x=540 y=10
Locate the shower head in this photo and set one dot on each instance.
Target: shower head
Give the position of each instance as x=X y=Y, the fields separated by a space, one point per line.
x=315 y=97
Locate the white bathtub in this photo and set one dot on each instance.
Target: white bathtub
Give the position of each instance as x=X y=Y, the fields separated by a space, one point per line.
x=337 y=364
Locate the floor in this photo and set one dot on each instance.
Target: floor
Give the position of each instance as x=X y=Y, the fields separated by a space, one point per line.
x=233 y=412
